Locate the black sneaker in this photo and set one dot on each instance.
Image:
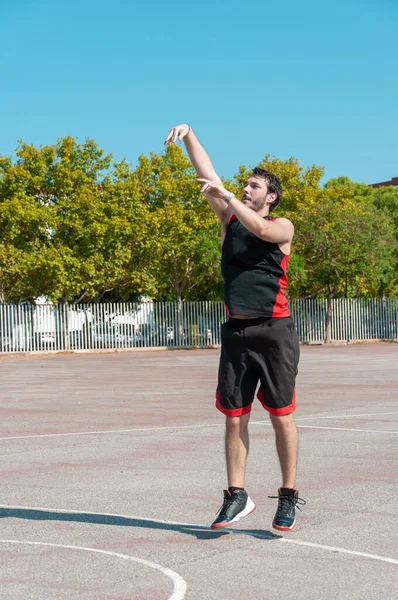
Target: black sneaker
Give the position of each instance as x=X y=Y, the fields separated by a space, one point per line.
x=235 y=506
x=284 y=519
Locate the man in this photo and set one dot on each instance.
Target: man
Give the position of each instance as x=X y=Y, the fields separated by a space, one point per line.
x=259 y=342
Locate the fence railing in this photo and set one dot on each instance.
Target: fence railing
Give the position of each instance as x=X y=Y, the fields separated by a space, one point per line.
x=28 y=328
x=351 y=319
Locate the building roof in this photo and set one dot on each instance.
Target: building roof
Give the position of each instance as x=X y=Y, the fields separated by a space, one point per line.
x=393 y=181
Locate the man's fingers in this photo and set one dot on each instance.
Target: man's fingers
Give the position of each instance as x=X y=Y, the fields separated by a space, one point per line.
x=208 y=187
x=177 y=133
x=170 y=137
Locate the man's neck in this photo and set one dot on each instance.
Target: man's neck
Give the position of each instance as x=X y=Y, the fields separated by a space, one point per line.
x=264 y=212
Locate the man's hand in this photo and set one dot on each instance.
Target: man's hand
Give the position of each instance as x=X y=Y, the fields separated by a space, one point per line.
x=215 y=189
x=202 y=165
x=177 y=133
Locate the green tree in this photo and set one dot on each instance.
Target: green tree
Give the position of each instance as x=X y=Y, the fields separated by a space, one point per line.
x=73 y=226
x=185 y=232
x=301 y=186
x=385 y=199
x=26 y=263
x=345 y=251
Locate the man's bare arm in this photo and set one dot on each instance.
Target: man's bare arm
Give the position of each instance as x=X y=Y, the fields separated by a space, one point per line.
x=278 y=231
x=201 y=163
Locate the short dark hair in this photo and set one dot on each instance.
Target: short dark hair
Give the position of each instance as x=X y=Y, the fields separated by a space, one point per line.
x=274 y=185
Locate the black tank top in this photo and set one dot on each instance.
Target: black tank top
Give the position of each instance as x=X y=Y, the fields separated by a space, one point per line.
x=254 y=273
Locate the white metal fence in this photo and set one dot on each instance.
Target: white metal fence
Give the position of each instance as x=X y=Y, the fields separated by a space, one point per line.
x=351 y=319
x=27 y=328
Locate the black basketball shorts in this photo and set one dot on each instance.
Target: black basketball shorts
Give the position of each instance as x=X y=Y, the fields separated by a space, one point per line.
x=261 y=351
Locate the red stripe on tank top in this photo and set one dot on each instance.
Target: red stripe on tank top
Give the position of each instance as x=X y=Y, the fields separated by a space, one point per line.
x=281 y=304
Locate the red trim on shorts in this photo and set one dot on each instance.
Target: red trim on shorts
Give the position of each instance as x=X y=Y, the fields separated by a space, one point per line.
x=231 y=412
x=278 y=412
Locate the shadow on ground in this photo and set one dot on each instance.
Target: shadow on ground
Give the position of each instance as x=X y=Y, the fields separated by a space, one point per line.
x=201 y=532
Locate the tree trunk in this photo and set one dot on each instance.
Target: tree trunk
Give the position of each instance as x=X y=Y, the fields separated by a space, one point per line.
x=329 y=312
x=65 y=314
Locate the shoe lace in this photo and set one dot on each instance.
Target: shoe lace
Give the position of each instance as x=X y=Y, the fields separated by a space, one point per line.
x=226 y=504
x=286 y=501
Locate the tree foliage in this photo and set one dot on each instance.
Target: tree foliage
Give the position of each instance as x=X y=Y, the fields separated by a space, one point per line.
x=75 y=225
x=185 y=233
x=344 y=250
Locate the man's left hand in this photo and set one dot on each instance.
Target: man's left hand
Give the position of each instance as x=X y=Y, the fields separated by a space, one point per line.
x=215 y=189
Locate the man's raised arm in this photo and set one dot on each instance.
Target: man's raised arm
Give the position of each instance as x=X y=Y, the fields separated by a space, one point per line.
x=200 y=161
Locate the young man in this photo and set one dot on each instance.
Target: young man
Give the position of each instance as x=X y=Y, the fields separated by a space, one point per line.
x=259 y=342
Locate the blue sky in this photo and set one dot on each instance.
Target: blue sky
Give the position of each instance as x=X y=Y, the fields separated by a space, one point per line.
x=309 y=79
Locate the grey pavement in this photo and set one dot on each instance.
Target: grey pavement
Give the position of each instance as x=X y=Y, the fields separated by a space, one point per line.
x=112 y=469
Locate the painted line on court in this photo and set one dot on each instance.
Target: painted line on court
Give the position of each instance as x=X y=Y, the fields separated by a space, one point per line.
x=392 y=561
x=182 y=427
x=315 y=418
x=194 y=526
x=346 y=429
x=107 y=432
x=179 y=583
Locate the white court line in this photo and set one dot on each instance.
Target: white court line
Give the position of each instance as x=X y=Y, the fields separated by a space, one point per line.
x=192 y=526
x=203 y=426
x=49 y=435
x=179 y=583
x=393 y=561
x=346 y=429
x=315 y=418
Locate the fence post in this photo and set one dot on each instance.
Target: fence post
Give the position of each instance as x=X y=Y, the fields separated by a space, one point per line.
x=65 y=310
x=347 y=314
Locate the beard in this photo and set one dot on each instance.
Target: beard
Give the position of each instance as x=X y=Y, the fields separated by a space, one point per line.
x=255 y=205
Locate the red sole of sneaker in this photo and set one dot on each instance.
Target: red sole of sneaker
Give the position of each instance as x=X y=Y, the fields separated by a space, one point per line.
x=223 y=525
x=283 y=528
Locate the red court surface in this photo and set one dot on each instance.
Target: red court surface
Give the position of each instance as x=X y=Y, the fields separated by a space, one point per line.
x=112 y=470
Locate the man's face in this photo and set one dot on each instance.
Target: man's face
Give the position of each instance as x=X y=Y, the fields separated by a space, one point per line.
x=255 y=194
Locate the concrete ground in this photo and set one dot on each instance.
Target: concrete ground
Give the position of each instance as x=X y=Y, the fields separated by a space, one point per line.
x=112 y=469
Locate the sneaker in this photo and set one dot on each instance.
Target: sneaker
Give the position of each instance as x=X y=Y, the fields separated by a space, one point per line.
x=284 y=519
x=235 y=506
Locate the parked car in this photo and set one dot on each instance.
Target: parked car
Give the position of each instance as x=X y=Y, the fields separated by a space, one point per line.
x=5 y=344
x=45 y=339
x=168 y=335
x=105 y=336
x=164 y=335
x=205 y=335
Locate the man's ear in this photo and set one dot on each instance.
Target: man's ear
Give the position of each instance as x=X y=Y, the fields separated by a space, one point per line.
x=271 y=197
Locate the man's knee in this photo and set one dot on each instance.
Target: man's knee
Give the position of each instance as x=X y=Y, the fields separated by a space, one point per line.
x=237 y=423
x=282 y=422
